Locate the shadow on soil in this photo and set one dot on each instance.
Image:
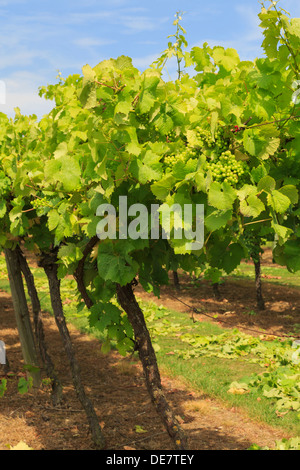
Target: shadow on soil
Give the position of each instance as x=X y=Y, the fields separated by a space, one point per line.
x=117 y=390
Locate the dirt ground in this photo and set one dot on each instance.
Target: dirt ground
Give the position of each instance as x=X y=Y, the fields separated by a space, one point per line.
x=117 y=389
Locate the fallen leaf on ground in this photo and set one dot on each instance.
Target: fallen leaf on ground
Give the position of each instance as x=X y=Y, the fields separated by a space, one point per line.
x=139 y=429
x=21 y=446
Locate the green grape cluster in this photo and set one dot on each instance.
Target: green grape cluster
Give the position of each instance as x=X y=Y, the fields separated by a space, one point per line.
x=170 y=160
x=171 y=136
x=182 y=157
x=204 y=138
x=41 y=203
x=220 y=143
x=227 y=169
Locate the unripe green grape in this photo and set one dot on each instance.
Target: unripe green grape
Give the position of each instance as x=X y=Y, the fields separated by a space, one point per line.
x=227 y=169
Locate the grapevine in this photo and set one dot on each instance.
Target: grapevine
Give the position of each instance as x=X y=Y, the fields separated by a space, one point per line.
x=115 y=131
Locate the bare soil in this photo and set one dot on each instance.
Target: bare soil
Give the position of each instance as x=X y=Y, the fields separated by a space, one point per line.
x=117 y=388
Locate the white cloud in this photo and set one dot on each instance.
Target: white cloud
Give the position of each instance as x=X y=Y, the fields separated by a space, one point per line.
x=22 y=92
x=93 y=42
x=143 y=63
x=129 y=19
x=20 y=57
x=136 y=24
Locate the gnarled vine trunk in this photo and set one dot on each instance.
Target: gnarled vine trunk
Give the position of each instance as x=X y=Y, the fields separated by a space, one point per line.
x=258 y=285
x=49 y=263
x=216 y=291
x=176 y=280
x=39 y=330
x=148 y=359
x=143 y=345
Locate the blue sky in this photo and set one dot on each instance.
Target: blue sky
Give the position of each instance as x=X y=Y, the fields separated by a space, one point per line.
x=38 y=39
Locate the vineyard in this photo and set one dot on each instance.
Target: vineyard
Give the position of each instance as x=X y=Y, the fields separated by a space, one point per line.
x=120 y=333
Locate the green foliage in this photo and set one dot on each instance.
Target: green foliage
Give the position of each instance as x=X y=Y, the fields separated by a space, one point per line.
x=3 y=387
x=226 y=137
x=284 y=444
x=280 y=382
x=24 y=385
x=281 y=386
